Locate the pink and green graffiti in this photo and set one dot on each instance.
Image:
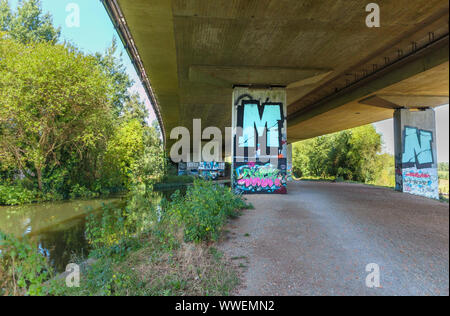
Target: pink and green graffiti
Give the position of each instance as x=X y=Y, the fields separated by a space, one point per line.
x=253 y=178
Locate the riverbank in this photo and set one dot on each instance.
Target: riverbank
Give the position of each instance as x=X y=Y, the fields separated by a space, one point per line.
x=13 y=195
x=153 y=269
x=147 y=247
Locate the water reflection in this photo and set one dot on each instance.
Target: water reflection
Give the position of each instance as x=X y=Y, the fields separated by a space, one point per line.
x=58 y=228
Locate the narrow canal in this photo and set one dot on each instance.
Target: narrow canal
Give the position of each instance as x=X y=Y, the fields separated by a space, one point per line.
x=58 y=228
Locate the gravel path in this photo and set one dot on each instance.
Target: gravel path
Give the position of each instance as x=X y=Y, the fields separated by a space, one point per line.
x=318 y=239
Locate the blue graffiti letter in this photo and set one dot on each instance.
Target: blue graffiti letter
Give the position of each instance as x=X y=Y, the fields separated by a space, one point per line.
x=417 y=148
x=270 y=118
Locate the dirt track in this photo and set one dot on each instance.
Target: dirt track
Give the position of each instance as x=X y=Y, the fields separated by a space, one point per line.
x=318 y=239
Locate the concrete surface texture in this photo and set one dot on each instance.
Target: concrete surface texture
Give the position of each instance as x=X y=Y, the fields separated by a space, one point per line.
x=318 y=240
x=194 y=51
x=415 y=153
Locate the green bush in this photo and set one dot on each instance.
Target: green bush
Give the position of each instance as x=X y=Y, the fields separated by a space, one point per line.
x=23 y=270
x=107 y=232
x=202 y=212
x=443 y=175
x=113 y=231
x=81 y=192
x=16 y=195
x=148 y=235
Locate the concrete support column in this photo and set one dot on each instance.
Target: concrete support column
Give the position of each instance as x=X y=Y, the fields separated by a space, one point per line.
x=289 y=162
x=415 y=152
x=259 y=163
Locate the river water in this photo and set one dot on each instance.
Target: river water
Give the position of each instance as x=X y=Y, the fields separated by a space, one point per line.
x=57 y=228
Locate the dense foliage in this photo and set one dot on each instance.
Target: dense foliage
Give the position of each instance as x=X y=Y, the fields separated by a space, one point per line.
x=69 y=126
x=202 y=211
x=23 y=269
x=348 y=155
x=28 y=24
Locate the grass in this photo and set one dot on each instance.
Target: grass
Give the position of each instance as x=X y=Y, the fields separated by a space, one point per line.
x=154 y=270
x=319 y=179
x=175 y=257
x=443 y=190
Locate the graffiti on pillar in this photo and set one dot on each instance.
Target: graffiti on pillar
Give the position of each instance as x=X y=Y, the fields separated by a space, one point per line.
x=424 y=182
x=257 y=119
x=418 y=148
x=207 y=170
x=260 y=148
x=255 y=177
x=418 y=174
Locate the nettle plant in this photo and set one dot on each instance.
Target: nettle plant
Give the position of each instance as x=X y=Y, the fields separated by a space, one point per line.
x=203 y=211
x=23 y=269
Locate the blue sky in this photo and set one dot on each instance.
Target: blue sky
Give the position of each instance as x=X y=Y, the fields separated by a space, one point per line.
x=96 y=32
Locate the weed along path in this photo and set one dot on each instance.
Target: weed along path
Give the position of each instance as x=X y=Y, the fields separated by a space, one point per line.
x=320 y=238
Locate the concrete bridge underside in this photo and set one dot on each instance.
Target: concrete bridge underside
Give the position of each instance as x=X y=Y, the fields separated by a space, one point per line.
x=338 y=72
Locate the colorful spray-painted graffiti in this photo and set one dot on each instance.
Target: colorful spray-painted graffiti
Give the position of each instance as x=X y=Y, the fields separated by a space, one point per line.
x=252 y=119
x=418 y=149
x=259 y=157
x=206 y=170
x=423 y=182
x=211 y=170
x=254 y=178
x=418 y=174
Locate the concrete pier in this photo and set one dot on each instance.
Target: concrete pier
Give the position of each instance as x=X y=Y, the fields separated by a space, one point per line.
x=415 y=152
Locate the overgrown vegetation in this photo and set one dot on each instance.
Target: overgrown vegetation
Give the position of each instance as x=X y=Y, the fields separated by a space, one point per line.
x=23 y=270
x=443 y=180
x=141 y=248
x=348 y=155
x=352 y=155
x=69 y=127
x=202 y=212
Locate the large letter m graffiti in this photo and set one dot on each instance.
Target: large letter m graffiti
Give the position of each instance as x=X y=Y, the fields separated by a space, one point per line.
x=417 y=148
x=271 y=116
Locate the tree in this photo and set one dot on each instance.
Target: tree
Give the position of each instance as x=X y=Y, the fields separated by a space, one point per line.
x=350 y=154
x=29 y=23
x=365 y=144
x=124 y=149
x=113 y=67
x=339 y=164
x=150 y=166
x=52 y=98
x=5 y=16
x=318 y=156
x=443 y=166
x=134 y=108
x=300 y=159
x=67 y=120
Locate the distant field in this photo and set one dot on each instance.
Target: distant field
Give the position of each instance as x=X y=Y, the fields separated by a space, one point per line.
x=443 y=186
x=443 y=182
x=443 y=175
